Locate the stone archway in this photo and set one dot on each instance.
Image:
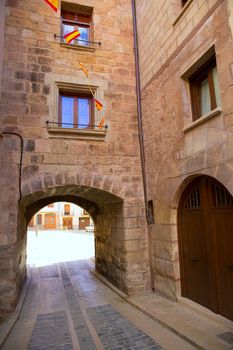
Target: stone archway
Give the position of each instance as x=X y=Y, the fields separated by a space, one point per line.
x=120 y=229
x=182 y=165
x=103 y=206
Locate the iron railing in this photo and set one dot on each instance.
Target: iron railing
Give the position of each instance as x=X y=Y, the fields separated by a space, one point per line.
x=73 y=125
x=84 y=41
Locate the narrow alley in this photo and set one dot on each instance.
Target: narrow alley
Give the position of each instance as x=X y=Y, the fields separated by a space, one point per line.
x=67 y=307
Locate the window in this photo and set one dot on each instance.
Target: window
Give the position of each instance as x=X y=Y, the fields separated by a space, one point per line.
x=77 y=17
x=67 y=209
x=76 y=110
x=204 y=88
x=39 y=219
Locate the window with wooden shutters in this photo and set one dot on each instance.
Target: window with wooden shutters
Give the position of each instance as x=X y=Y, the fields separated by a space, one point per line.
x=39 y=219
x=204 y=89
x=67 y=209
x=76 y=110
x=77 y=17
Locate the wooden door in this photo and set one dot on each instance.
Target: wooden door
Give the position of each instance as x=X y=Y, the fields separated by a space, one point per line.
x=206 y=245
x=222 y=227
x=193 y=247
x=50 y=221
x=68 y=223
x=83 y=222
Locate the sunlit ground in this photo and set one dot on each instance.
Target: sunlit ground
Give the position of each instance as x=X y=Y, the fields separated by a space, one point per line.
x=52 y=246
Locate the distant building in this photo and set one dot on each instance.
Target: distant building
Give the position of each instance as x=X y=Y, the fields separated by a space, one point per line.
x=61 y=215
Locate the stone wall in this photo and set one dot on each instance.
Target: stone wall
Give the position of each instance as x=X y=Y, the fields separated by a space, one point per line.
x=56 y=164
x=164 y=26
x=177 y=149
x=2 y=27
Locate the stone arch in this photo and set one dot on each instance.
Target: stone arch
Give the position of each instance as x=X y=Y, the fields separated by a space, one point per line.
x=90 y=198
x=104 y=207
x=121 y=239
x=44 y=181
x=177 y=170
x=120 y=225
x=185 y=162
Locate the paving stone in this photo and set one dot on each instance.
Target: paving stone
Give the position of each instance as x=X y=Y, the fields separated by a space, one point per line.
x=51 y=331
x=83 y=334
x=49 y=271
x=227 y=337
x=118 y=333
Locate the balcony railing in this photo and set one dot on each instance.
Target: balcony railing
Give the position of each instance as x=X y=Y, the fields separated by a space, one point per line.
x=75 y=126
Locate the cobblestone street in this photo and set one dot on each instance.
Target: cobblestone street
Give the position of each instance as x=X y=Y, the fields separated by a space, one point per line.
x=67 y=307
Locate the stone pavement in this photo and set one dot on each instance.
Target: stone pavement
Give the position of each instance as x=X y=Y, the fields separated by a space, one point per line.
x=68 y=307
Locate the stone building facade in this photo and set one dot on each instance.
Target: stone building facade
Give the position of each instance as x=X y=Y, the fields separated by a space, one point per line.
x=186 y=71
x=177 y=40
x=60 y=216
x=97 y=169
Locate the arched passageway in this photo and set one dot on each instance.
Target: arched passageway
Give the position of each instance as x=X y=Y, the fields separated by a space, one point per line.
x=106 y=211
x=60 y=232
x=121 y=241
x=206 y=245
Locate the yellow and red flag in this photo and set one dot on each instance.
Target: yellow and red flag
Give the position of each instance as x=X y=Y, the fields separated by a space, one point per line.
x=85 y=71
x=98 y=105
x=101 y=124
x=53 y=4
x=71 y=36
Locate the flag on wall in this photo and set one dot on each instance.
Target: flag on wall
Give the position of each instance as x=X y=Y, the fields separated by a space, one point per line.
x=53 y=4
x=98 y=105
x=85 y=71
x=71 y=36
x=101 y=124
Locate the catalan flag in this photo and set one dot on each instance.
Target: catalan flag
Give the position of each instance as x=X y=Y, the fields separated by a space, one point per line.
x=71 y=36
x=98 y=105
x=53 y=4
x=101 y=124
x=85 y=71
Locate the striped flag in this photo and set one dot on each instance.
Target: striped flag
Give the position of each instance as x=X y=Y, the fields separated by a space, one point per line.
x=85 y=71
x=98 y=105
x=71 y=36
x=53 y=4
x=101 y=124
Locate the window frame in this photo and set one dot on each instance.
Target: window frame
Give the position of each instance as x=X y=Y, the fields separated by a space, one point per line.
x=66 y=209
x=76 y=96
x=39 y=219
x=76 y=22
x=205 y=72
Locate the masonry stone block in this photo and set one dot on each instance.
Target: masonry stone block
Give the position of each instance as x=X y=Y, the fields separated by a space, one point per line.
x=106 y=175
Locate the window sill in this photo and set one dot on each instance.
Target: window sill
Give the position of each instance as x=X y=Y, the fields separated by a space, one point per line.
x=78 y=47
x=80 y=134
x=203 y=119
x=184 y=8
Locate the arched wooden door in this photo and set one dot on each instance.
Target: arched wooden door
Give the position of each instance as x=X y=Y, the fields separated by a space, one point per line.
x=206 y=245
